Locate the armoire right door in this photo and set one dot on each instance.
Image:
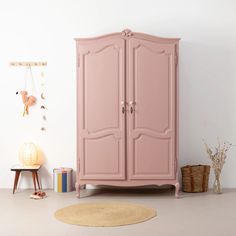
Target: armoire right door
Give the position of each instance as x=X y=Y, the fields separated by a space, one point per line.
x=151 y=94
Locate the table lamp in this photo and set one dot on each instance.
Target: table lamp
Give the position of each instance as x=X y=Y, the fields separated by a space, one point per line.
x=28 y=154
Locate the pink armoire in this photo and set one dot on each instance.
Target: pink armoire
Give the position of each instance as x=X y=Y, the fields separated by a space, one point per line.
x=127 y=110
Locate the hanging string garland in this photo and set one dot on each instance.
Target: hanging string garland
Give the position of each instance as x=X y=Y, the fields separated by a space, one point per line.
x=43 y=98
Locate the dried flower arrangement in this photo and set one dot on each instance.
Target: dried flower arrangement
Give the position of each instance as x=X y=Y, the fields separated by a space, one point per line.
x=218 y=159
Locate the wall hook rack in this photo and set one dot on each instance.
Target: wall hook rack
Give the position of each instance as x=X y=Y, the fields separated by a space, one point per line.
x=28 y=63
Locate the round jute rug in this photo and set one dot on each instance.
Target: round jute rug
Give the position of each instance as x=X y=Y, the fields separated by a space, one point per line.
x=104 y=214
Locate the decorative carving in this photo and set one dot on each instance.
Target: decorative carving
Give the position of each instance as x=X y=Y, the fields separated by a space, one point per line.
x=127 y=33
x=140 y=45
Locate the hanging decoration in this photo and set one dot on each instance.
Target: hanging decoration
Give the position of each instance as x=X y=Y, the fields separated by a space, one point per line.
x=42 y=96
x=30 y=100
x=43 y=101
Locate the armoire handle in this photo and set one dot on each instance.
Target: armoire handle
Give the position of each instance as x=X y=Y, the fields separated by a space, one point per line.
x=123 y=107
x=131 y=103
x=131 y=110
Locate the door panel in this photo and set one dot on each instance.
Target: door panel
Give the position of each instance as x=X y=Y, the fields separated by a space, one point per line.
x=151 y=95
x=101 y=87
x=105 y=150
x=148 y=147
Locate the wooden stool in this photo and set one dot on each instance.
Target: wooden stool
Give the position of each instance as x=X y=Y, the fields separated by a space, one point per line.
x=33 y=169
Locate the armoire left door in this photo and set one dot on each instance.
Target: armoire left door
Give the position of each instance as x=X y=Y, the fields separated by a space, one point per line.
x=101 y=114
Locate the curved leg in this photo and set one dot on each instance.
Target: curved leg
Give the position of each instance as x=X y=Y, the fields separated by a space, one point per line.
x=177 y=190
x=77 y=187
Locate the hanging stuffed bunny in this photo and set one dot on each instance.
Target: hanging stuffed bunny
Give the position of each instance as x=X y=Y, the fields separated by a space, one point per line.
x=28 y=101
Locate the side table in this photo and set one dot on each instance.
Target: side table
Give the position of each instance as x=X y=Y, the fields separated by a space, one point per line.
x=33 y=169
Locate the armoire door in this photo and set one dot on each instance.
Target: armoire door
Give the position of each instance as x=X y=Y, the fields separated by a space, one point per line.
x=101 y=127
x=152 y=105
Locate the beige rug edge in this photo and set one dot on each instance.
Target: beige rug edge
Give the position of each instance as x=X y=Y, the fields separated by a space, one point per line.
x=104 y=214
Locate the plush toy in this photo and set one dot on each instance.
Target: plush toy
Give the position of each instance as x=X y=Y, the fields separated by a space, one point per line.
x=28 y=101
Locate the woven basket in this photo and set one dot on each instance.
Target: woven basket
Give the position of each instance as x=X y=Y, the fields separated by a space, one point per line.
x=195 y=178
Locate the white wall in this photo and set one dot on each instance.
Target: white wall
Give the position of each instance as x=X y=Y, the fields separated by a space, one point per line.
x=44 y=30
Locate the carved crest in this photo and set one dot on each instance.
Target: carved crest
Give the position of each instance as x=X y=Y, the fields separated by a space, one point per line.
x=127 y=33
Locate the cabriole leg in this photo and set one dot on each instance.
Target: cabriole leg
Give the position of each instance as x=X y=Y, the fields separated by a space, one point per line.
x=77 y=188
x=177 y=190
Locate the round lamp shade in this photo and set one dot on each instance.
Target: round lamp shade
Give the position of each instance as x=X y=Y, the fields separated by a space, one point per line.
x=28 y=154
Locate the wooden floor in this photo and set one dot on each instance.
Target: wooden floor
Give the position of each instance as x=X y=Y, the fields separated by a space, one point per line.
x=205 y=214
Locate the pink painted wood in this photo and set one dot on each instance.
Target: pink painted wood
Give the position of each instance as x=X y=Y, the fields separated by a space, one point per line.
x=101 y=146
x=151 y=95
x=127 y=110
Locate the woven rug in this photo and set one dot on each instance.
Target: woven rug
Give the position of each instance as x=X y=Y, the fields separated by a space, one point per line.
x=104 y=214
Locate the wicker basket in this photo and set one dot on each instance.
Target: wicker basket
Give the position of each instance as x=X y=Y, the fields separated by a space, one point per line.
x=195 y=178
